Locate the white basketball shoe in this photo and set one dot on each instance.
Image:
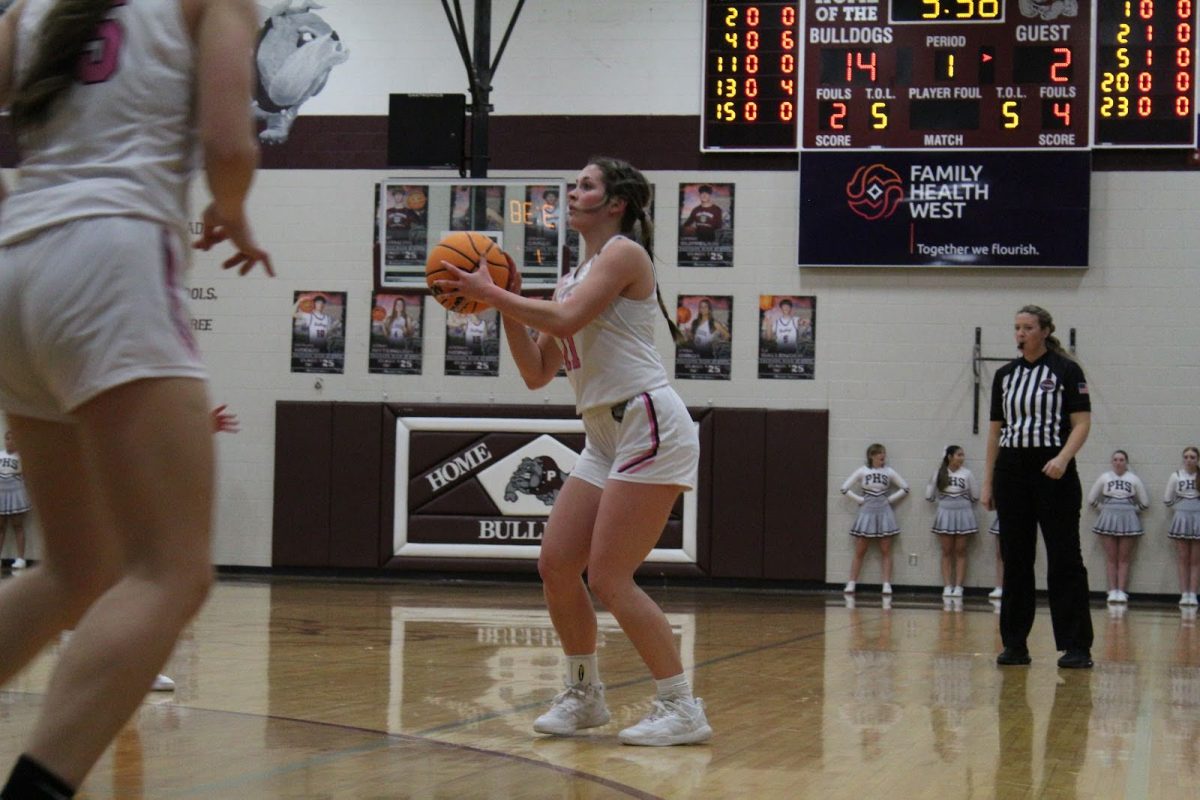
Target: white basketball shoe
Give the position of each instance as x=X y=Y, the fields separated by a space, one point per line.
x=573 y=709
x=670 y=722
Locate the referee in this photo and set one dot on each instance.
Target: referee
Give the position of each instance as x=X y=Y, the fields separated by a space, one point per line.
x=1041 y=414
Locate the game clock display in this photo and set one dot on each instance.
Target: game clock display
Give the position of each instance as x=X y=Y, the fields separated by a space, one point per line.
x=961 y=74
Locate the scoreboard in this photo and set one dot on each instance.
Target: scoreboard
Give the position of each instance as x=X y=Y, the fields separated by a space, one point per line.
x=835 y=75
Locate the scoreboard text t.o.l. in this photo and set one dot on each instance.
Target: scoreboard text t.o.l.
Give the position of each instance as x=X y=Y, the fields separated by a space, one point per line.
x=751 y=75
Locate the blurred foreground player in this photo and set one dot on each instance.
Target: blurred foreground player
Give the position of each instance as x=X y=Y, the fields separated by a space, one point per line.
x=99 y=374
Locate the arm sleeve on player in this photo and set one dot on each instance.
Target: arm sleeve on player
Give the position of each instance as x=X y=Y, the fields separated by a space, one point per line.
x=1169 y=495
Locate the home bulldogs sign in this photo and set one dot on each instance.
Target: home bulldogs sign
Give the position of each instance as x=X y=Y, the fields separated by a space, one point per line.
x=484 y=487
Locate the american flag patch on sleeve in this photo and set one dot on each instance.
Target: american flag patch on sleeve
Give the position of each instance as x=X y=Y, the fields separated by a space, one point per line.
x=1083 y=388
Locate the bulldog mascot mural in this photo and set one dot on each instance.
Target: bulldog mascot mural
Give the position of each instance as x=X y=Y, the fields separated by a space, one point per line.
x=297 y=50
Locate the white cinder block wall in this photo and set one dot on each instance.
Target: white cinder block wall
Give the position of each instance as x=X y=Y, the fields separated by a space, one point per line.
x=893 y=346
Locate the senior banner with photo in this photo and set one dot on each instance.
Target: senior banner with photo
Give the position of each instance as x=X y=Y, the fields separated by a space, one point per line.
x=706 y=322
x=319 y=332
x=787 y=335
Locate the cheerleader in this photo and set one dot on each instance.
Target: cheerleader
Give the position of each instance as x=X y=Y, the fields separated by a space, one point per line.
x=14 y=503
x=876 y=520
x=954 y=490
x=1185 y=526
x=1120 y=496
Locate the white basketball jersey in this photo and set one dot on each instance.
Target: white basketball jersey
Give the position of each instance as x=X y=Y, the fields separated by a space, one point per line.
x=398 y=327
x=787 y=334
x=475 y=333
x=613 y=357
x=318 y=327
x=120 y=142
x=702 y=336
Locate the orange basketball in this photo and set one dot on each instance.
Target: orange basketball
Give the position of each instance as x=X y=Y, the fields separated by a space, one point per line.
x=683 y=315
x=378 y=314
x=766 y=302
x=465 y=249
x=306 y=305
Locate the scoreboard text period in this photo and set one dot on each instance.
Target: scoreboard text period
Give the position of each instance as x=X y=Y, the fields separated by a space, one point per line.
x=953 y=74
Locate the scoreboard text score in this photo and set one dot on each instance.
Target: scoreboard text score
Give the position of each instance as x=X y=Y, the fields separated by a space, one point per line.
x=954 y=74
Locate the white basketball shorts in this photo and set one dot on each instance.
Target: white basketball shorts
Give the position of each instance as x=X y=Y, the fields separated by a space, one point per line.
x=655 y=441
x=87 y=306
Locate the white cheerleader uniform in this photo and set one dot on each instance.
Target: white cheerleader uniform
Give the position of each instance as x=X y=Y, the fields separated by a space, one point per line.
x=638 y=429
x=1120 y=499
x=875 y=516
x=955 y=504
x=1183 y=496
x=13 y=499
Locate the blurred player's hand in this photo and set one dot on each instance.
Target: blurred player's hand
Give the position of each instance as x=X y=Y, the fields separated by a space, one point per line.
x=224 y=421
x=218 y=229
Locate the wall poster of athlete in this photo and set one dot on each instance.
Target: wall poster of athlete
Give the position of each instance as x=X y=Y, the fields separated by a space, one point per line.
x=787 y=336
x=406 y=224
x=396 y=334
x=319 y=332
x=473 y=343
x=572 y=237
x=705 y=225
x=707 y=325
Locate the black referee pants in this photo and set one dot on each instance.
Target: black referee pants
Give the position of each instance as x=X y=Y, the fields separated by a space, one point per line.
x=1025 y=498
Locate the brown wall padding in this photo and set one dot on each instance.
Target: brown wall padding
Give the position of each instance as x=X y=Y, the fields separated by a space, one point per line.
x=300 y=535
x=356 y=479
x=737 y=494
x=794 y=495
x=761 y=515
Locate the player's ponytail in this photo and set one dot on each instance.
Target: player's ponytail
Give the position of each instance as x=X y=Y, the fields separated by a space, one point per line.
x=623 y=180
x=943 y=474
x=64 y=32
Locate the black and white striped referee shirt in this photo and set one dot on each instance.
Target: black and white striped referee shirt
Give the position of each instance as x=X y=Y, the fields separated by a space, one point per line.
x=1035 y=400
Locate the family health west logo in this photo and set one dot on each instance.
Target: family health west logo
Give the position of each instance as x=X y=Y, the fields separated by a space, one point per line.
x=875 y=191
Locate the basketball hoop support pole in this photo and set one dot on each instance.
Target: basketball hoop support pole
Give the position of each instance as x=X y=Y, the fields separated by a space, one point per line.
x=480 y=69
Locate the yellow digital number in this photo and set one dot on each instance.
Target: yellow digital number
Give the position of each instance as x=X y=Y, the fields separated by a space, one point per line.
x=725 y=112
x=1009 y=110
x=1106 y=107
x=968 y=13
x=1123 y=57
x=934 y=11
x=731 y=15
x=989 y=9
x=726 y=87
x=1123 y=33
x=731 y=39
x=879 y=113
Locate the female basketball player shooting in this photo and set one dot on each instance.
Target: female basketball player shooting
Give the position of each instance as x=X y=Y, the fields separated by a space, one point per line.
x=111 y=412
x=641 y=449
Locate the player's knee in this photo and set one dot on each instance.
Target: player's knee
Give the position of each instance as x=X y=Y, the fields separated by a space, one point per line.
x=607 y=586
x=554 y=569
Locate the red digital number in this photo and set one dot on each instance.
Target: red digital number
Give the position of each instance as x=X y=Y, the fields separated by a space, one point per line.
x=752 y=64
x=1182 y=107
x=788 y=16
x=1184 y=9
x=751 y=87
x=1183 y=57
x=839 y=114
x=1062 y=61
x=1144 y=106
x=1146 y=9
x=752 y=40
x=1183 y=81
x=1063 y=112
x=788 y=86
x=854 y=60
x=1145 y=82
x=750 y=111
x=786 y=111
x=787 y=63
x=752 y=16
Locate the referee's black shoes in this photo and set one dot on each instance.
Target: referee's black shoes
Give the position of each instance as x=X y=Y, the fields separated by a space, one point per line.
x=1013 y=657
x=1076 y=659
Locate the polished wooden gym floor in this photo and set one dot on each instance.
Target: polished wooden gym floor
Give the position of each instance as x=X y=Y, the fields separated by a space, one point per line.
x=308 y=689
